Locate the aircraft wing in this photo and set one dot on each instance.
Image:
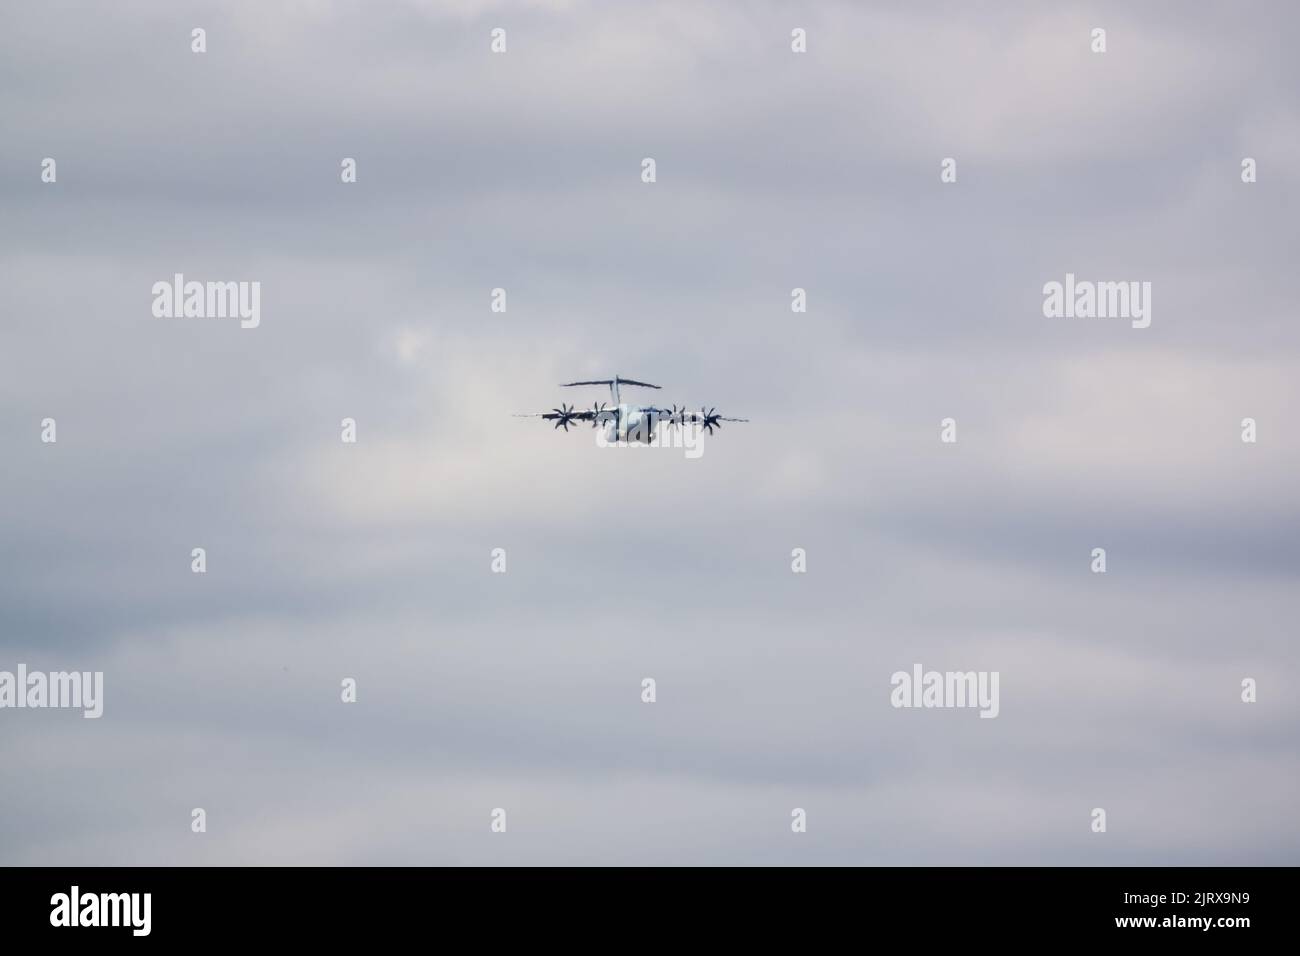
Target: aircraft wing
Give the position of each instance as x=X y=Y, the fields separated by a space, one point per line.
x=564 y=417
x=681 y=416
x=571 y=416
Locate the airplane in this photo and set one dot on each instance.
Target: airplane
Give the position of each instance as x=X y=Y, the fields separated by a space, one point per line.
x=626 y=422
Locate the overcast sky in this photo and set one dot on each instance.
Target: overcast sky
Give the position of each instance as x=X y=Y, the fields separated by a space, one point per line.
x=522 y=690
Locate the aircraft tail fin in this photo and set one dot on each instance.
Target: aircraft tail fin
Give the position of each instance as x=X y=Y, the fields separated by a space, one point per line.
x=613 y=384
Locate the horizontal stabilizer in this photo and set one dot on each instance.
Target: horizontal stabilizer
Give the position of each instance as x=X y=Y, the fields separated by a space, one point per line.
x=610 y=381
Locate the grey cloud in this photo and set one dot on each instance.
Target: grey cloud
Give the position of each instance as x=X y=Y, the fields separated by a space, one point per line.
x=521 y=690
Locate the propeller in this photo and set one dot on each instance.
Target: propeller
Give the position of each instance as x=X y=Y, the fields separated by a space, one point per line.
x=597 y=414
x=565 y=415
x=711 y=420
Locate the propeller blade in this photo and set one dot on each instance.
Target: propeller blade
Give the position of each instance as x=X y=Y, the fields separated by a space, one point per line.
x=563 y=415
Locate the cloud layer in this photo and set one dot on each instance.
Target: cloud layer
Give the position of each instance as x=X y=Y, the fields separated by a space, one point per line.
x=522 y=690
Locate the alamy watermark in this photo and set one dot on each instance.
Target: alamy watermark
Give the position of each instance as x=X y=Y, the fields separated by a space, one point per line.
x=76 y=908
x=946 y=689
x=1098 y=300
x=648 y=432
x=179 y=299
x=62 y=689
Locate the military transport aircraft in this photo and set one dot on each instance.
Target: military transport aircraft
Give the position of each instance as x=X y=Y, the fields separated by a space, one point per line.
x=626 y=422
